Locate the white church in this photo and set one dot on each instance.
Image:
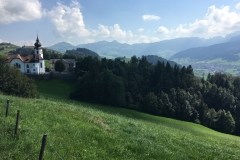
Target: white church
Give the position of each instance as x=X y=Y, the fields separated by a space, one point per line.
x=29 y=63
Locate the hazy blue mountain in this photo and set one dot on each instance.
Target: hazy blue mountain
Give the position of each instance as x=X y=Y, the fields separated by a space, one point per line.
x=62 y=47
x=110 y=49
x=226 y=51
x=164 y=49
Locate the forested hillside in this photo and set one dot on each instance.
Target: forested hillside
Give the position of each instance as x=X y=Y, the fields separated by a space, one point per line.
x=161 y=90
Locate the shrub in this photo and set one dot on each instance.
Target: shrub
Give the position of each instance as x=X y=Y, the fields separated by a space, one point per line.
x=14 y=83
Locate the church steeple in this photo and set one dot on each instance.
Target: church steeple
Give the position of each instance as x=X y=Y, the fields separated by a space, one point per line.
x=37 y=48
x=37 y=44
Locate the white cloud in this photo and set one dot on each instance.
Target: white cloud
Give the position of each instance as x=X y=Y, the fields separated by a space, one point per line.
x=25 y=42
x=237 y=6
x=19 y=10
x=150 y=17
x=115 y=32
x=140 y=29
x=217 y=22
x=162 y=30
x=68 y=20
x=69 y=23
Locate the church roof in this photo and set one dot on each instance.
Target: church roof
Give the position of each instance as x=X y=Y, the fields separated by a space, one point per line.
x=31 y=58
x=37 y=44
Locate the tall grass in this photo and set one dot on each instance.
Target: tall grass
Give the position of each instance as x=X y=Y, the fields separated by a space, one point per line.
x=85 y=131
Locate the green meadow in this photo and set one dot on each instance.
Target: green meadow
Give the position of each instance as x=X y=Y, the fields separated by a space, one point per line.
x=78 y=130
x=55 y=88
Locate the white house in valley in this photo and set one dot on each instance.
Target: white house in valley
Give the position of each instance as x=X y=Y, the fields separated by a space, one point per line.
x=29 y=63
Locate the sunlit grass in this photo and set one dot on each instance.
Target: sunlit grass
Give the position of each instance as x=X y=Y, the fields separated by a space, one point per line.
x=86 y=131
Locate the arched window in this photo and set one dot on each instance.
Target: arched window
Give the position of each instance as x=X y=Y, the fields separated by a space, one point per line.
x=27 y=65
x=17 y=65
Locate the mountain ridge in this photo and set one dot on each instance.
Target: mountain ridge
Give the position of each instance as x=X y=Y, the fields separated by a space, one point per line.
x=165 y=48
x=226 y=51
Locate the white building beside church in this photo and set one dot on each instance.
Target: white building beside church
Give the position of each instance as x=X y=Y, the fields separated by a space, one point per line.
x=29 y=63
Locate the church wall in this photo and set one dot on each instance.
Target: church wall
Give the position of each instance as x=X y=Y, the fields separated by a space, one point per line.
x=41 y=69
x=15 y=63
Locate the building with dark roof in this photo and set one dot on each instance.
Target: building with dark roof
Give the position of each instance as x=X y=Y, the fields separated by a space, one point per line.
x=29 y=63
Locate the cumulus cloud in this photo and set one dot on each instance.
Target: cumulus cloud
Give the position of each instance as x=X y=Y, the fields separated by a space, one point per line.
x=217 y=22
x=19 y=10
x=115 y=32
x=162 y=30
x=69 y=23
x=68 y=20
x=150 y=17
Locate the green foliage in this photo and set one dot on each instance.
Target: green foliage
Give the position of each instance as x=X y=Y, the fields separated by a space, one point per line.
x=221 y=120
x=5 y=48
x=15 y=83
x=51 y=54
x=150 y=103
x=160 y=89
x=80 y=53
x=55 y=88
x=105 y=88
x=86 y=131
x=59 y=66
x=225 y=122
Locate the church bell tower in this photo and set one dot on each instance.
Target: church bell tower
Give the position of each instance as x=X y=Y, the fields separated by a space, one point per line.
x=38 y=48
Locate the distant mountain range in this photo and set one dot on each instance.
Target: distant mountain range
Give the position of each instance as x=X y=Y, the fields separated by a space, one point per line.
x=229 y=51
x=190 y=47
x=62 y=47
x=165 y=49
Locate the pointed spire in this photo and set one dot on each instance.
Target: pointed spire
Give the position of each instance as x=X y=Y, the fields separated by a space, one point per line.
x=37 y=43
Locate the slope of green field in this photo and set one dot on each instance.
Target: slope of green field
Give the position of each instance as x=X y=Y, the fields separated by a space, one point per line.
x=6 y=47
x=85 y=131
x=55 y=88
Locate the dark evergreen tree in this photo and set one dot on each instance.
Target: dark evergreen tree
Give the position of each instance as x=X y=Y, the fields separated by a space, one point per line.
x=59 y=66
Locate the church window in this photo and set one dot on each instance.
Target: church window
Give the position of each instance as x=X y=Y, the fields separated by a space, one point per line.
x=17 y=65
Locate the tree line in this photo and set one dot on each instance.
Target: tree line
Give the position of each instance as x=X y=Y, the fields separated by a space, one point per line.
x=161 y=90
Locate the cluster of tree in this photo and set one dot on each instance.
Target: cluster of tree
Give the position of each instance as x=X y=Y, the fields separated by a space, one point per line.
x=14 y=83
x=161 y=89
x=51 y=54
x=59 y=66
x=23 y=50
x=79 y=53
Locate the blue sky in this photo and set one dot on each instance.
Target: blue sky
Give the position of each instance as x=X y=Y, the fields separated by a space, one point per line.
x=127 y=21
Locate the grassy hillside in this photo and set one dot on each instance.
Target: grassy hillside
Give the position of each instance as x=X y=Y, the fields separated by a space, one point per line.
x=86 y=131
x=6 y=47
x=55 y=88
